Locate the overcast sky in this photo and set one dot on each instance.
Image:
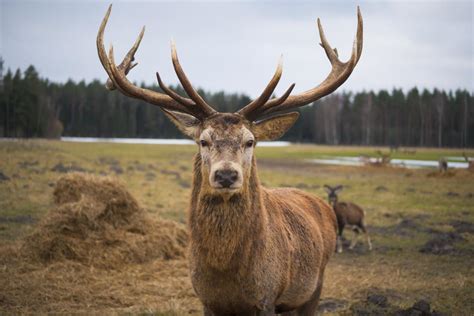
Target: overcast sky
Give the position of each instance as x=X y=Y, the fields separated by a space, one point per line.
x=235 y=45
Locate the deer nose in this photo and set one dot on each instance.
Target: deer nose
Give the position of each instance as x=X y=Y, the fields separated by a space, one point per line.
x=226 y=177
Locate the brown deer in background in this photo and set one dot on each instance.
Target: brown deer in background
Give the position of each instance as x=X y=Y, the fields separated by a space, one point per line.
x=442 y=165
x=347 y=214
x=253 y=250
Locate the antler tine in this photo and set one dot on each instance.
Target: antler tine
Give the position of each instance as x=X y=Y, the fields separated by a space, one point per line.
x=339 y=73
x=149 y=96
x=204 y=107
x=249 y=110
x=197 y=111
x=118 y=80
x=173 y=94
x=110 y=85
x=277 y=101
x=126 y=65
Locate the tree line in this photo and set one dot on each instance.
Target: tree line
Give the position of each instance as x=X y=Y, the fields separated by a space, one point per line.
x=31 y=106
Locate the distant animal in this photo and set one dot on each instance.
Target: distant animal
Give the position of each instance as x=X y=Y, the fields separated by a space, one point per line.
x=383 y=159
x=347 y=214
x=253 y=250
x=442 y=165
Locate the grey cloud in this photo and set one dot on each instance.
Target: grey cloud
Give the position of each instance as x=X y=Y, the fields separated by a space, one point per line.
x=234 y=46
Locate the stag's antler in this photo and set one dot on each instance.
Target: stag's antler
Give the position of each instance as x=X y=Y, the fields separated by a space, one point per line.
x=195 y=106
x=338 y=75
x=252 y=108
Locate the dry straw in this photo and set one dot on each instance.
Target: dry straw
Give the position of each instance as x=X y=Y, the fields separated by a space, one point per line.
x=97 y=251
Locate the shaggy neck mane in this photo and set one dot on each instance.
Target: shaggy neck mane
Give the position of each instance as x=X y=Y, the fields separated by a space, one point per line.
x=226 y=228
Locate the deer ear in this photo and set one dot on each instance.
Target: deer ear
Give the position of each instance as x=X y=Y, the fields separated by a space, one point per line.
x=187 y=124
x=274 y=127
x=327 y=188
x=338 y=188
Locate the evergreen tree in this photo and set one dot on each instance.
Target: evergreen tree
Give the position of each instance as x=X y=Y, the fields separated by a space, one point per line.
x=31 y=106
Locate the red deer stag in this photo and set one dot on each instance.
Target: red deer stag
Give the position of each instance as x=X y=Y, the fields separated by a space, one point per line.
x=253 y=250
x=347 y=214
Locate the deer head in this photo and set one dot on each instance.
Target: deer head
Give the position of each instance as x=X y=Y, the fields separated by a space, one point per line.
x=227 y=140
x=332 y=193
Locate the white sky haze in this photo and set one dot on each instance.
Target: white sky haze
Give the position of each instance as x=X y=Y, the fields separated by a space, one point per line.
x=234 y=46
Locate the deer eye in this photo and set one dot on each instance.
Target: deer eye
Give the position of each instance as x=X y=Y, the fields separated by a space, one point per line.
x=249 y=144
x=204 y=143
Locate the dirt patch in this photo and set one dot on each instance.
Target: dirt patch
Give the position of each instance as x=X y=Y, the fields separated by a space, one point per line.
x=28 y=164
x=442 y=244
x=108 y=161
x=331 y=305
x=405 y=227
x=136 y=165
x=116 y=169
x=60 y=168
x=19 y=219
x=463 y=227
x=177 y=176
x=379 y=303
x=381 y=188
x=184 y=184
x=98 y=223
x=3 y=177
x=114 y=164
x=391 y=294
x=452 y=194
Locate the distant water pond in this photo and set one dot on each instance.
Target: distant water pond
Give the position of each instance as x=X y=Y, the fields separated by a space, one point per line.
x=407 y=163
x=453 y=162
x=154 y=141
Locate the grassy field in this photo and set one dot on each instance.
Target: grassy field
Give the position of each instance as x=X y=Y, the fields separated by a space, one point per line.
x=407 y=210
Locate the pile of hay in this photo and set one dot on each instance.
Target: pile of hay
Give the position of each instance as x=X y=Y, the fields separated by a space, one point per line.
x=97 y=252
x=97 y=222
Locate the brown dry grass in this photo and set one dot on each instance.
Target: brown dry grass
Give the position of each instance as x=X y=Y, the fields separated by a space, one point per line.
x=155 y=176
x=96 y=250
x=99 y=223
